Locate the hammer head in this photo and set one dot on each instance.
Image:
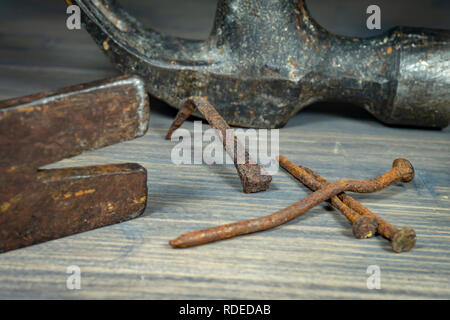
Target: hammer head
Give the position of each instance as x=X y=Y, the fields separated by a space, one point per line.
x=38 y=205
x=266 y=60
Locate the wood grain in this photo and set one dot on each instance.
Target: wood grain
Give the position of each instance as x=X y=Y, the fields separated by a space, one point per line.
x=313 y=257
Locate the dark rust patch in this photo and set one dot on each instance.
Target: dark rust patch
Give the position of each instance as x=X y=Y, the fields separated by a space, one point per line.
x=38 y=205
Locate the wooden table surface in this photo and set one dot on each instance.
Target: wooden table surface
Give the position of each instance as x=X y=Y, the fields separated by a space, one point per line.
x=312 y=257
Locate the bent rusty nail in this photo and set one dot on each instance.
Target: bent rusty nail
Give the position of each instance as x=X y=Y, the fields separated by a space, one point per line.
x=362 y=226
x=401 y=240
x=39 y=205
x=402 y=170
x=253 y=177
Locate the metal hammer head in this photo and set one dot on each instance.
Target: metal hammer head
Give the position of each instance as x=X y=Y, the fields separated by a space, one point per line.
x=38 y=205
x=266 y=60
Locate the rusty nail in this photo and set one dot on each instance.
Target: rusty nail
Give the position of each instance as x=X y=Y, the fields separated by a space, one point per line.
x=402 y=170
x=363 y=226
x=253 y=177
x=401 y=240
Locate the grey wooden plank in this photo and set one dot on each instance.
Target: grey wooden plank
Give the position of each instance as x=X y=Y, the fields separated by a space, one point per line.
x=315 y=256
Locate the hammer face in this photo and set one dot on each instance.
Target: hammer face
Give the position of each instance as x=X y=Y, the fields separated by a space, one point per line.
x=40 y=205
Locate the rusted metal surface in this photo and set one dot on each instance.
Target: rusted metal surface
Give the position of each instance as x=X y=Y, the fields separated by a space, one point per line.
x=37 y=205
x=362 y=226
x=365 y=221
x=265 y=60
x=253 y=177
x=401 y=240
x=402 y=170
